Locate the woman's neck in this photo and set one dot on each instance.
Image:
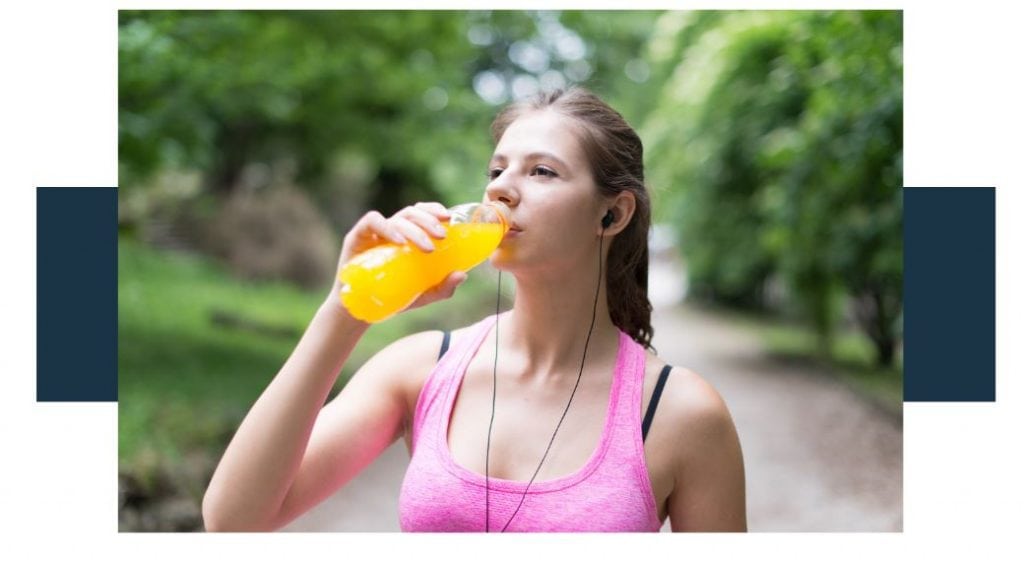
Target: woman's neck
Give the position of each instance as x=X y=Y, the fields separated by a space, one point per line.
x=548 y=327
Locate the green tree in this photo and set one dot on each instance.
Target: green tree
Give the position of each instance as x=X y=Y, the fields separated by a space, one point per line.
x=780 y=135
x=218 y=90
x=845 y=177
x=392 y=97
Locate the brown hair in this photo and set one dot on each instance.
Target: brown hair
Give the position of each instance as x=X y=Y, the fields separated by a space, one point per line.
x=616 y=158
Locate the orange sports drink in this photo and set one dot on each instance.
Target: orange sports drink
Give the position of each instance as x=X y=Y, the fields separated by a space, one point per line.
x=385 y=279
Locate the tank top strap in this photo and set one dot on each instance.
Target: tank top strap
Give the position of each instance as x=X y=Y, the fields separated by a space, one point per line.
x=441 y=379
x=629 y=370
x=462 y=351
x=626 y=449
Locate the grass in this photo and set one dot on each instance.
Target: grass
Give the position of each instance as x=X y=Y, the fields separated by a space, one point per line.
x=185 y=381
x=181 y=378
x=851 y=358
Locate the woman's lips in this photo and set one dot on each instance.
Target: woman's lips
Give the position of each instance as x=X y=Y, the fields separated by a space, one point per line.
x=513 y=232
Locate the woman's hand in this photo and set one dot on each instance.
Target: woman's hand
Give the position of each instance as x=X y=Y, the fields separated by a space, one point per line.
x=415 y=224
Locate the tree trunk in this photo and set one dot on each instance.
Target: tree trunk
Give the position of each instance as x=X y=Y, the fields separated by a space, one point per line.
x=234 y=149
x=885 y=352
x=387 y=195
x=875 y=319
x=885 y=343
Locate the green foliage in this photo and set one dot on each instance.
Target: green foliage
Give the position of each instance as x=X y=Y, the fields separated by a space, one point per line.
x=218 y=90
x=779 y=139
x=373 y=109
x=182 y=379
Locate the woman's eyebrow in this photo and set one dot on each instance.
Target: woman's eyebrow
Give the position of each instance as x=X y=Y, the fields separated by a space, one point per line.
x=533 y=156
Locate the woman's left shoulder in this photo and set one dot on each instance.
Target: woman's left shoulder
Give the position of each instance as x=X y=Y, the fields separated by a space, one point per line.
x=705 y=465
x=689 y=404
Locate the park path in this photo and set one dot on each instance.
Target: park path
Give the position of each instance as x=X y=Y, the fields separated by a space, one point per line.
x=817 y=456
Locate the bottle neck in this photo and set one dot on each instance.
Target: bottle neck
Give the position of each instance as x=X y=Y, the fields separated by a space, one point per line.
x=502 y=212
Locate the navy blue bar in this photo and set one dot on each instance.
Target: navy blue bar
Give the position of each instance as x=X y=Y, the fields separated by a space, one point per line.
x=949 y=294
x=76 y=299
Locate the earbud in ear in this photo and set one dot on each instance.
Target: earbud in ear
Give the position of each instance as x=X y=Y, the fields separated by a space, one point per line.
x=608 y=219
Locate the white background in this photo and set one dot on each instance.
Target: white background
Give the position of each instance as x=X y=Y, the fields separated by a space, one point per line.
x=58 y=483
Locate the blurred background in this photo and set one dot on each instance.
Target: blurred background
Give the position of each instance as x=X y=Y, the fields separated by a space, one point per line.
x=250 y=142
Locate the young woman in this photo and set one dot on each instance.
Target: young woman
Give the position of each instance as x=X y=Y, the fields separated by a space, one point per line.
x=567 y=374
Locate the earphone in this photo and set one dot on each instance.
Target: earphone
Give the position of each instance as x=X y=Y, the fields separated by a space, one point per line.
x=606 y=221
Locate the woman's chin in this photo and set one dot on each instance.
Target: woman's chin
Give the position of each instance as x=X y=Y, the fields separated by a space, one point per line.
x=502 y=259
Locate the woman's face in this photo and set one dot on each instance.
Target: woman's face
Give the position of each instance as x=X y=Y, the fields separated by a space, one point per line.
x=540 y=171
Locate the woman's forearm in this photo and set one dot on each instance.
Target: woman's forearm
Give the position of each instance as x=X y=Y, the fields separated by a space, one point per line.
x=263 y=458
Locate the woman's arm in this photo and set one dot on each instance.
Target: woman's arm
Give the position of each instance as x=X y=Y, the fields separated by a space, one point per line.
x=709 y=494
x=260 y=463
x=273 y=470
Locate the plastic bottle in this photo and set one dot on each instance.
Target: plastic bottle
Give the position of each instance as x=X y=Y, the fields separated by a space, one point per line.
x=385 y=279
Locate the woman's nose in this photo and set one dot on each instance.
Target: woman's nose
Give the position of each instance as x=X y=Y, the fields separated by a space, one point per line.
x=502 y=189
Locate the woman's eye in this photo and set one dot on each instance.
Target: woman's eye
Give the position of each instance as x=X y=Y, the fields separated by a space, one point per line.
x=545 y=171
x=493 y=173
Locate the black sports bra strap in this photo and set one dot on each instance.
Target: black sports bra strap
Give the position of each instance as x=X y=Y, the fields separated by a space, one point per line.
x=444 y=344
x=654 y=399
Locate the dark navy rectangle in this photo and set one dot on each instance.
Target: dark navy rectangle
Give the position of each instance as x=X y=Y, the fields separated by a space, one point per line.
x=76 y=294
x=949 y=294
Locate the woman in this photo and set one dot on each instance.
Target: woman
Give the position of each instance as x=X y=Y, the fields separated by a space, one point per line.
x=570 y=169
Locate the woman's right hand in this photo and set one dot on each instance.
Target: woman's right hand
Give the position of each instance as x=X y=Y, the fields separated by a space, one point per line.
x=415 y=224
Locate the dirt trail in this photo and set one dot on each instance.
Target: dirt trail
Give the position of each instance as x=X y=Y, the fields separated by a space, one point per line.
x=817 y=457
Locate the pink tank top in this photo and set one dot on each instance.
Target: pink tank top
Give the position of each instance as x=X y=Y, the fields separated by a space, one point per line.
x=610 y=493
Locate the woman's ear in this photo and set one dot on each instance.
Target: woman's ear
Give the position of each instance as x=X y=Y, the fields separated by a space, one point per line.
x=621 y=210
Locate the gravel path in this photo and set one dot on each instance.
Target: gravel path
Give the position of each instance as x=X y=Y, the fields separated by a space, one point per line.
x=817 y=457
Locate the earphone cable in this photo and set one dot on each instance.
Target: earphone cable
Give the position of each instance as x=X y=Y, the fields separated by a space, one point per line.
x=593 y=318
x=494 y=395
